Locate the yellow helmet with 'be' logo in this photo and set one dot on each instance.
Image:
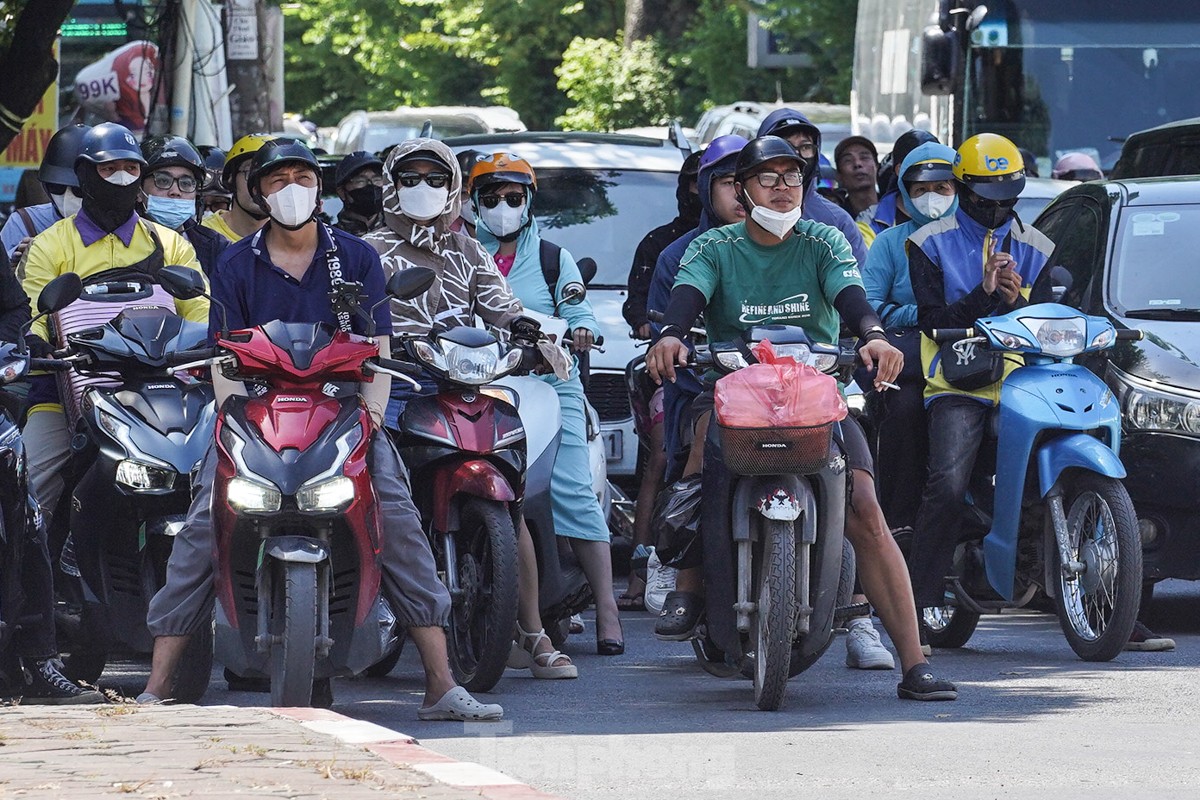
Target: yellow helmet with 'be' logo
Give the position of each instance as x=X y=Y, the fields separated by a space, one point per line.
x=991 y=166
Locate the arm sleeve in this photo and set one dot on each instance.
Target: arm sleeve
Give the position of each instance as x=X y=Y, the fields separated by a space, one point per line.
x=661 y=282
x=14 y=304
x=640 y=275
x=687 y=303
x=932 y=309
x=851 y=303
x=579 y=315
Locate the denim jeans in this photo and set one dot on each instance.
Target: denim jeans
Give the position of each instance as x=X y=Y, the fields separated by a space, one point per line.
x=957 y=426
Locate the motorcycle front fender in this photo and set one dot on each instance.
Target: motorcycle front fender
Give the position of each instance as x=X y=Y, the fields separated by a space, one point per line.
x=478 y=478
x=298 y=549
x=1076 y=450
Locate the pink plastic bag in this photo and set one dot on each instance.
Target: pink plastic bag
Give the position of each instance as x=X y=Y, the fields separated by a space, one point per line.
x=777 y=393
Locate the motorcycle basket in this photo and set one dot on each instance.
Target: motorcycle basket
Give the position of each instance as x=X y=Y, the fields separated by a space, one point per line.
x=800 y=450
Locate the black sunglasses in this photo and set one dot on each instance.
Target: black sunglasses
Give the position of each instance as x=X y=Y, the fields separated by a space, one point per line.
x=513 y=199
x=437 y=180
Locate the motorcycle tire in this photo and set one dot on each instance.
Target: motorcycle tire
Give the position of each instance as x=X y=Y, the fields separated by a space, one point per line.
x=294 y=626
x=773 y=624
x=951 y=627
x=1097 y=608
x=484 y=615
x=195 y=668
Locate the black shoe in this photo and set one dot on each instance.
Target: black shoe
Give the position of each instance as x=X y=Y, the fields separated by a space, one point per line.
x=921 y=684
x=680 y=616
x=239 y=684
x=322 y=693
x=46 y=685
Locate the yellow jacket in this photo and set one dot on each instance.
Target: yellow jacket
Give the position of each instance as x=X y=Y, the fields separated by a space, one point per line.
x=60 y=249
x=216 y=221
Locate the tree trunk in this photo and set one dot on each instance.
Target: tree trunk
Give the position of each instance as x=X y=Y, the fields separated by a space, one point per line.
x=246 y=66
x=646 y=18
x=29 y=66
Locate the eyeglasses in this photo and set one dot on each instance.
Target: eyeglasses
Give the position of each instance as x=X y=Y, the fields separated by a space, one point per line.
x=806 y=149
x=514 y=199
x=437 y=180
x=165 y=180
x=359 y=183
x=769 y=180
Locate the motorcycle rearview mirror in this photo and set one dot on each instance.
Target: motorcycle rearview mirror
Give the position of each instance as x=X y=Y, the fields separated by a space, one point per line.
x=1061 y=281
x=427 y=129
x=587 y=270
x=185 y=283
x=59 y=293
x=409 y=283
x=573 y=294
x=976 y=17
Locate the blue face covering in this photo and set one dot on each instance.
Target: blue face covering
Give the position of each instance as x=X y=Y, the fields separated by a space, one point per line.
x=170 y=211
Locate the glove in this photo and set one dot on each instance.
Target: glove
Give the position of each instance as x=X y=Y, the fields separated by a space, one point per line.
x=38 y=347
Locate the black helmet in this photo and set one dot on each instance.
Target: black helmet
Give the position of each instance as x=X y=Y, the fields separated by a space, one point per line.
x=467 y=159
x=174 y=151
x=109 y=141
x=761 y=150
x=353 y=163
x=909 y=141
x=214 y=163
x=277 y=152
x=58 y=165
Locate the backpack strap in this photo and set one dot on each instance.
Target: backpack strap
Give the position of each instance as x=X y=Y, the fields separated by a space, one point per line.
x=549 y=254
x=30 y=228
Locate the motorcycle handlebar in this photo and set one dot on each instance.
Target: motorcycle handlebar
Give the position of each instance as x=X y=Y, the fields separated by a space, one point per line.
x=49 y=364
x=399 y=366
x=943 y=335
x=654 y=316
x=188 y=356
x=1130 y=335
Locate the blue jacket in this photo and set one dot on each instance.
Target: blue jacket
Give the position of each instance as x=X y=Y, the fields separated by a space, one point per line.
x=886 y=276
x=14 y=230
x=208 y=244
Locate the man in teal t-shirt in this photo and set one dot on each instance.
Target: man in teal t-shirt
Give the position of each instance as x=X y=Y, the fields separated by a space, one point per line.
x=775 y=268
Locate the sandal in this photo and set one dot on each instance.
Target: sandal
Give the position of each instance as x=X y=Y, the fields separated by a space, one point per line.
x=550 y=666
x=631 y=602
x=458 y=705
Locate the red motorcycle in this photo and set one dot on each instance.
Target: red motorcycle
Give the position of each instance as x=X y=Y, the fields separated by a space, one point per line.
x=296 y=518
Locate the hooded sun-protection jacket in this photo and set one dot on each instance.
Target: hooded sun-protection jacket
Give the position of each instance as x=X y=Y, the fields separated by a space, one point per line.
x=886 y=276
x=816 y=207
x=467 y=282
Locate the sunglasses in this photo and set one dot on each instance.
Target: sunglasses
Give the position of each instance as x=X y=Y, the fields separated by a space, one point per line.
x=437 y=180
x=514 y=199
x=164 y=181
x=769 y=180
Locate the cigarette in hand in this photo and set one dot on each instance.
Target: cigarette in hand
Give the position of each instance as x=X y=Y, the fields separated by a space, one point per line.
x=888 y=385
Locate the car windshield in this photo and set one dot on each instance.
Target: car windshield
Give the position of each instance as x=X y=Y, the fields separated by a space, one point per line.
x=1152 y=266
x=603 y=214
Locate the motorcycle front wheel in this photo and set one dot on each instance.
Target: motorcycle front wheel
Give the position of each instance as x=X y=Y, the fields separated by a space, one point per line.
x=293 y=628
x=1098 y=607
x=774 y=619
x=484 y=616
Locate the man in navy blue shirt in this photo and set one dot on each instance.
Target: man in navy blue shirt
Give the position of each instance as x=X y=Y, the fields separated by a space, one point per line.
x=286 y=272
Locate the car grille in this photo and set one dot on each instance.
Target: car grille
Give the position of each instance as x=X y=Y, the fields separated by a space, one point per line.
x=608 y=395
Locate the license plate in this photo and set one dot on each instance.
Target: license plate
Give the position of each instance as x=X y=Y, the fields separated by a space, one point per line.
x=613 y=445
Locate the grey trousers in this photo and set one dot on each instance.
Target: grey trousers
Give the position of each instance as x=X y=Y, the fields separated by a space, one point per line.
x=410 y=580
x=48 y=443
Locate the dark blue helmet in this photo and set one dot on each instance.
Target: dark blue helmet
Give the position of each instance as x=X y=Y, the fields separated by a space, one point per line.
x=174 y=151
x=58 y=165
x=109 y=141
x=352 y=163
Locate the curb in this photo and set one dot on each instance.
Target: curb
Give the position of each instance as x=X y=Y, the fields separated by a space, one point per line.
x=403 y=750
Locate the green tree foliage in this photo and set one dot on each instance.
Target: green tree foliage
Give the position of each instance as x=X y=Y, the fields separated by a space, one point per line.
x=613 y=87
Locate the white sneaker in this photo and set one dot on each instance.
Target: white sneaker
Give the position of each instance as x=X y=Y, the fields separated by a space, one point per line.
x=864 y=650
x=660 y=581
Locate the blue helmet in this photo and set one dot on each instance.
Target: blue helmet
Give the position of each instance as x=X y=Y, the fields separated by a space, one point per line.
x=109 y=141
x=723 y=148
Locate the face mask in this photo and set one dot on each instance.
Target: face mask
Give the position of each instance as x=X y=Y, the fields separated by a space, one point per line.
x=777 y=223
x=933 y=205
x=991 y=214
x=422 y=202
x=467 y=213
x=293 y=205
x=503 y=220
x=121 y=178
x=366 y=201
x=170 y=211
x=67 y=204
x=108 y=204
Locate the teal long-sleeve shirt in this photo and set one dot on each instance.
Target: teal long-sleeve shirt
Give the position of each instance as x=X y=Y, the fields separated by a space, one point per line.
x=886 y=277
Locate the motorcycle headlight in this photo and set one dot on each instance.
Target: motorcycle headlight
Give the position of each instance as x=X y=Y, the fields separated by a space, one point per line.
x=478 y=365
x=334 y=494
x=427 y=353
x=144 y=477
x=251 y=496
x=731 y=360
x=1058 y=337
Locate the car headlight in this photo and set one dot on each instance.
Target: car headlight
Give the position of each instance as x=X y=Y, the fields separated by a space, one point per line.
x=251 y=496
x=1159 y=411
x=144 y=477
x=1058 y=337
x=334 y=494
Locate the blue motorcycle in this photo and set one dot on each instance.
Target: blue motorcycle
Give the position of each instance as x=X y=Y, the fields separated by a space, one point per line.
x=1049 y=515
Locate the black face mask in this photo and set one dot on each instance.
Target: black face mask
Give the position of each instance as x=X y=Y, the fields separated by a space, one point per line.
x=106 y=204
x=366 y=201
x=991 y=214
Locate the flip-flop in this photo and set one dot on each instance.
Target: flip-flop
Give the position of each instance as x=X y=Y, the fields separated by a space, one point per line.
x=632 y=602
x=457 y=704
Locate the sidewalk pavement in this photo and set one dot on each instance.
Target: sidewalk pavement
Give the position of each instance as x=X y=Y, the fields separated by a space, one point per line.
x=124 y=750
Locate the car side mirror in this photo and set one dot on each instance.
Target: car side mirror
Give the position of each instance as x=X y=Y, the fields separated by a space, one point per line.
x=60 y=293
x=182 y=283
x=409 y=283
x=587 y=270
x=1061 y=282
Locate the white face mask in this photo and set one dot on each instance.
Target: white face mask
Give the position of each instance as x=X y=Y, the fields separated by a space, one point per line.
x=503 y=219
x=121 y=178
x=293 y=205
x=777 y=223
x=67 y=204
x=422 y=202
x=467 y=212
x=932 y=204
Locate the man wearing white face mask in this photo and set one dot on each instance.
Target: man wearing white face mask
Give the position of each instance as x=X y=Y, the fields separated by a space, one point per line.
x=777 y=268
x=57 y=175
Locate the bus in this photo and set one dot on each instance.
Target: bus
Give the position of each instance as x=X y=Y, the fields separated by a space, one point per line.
x=1054 y=76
